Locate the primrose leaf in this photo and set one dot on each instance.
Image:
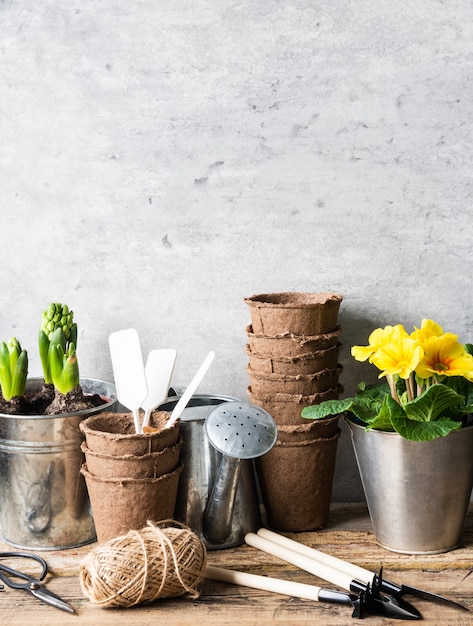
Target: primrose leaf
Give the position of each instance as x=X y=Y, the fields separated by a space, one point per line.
x=463 y=387
x=324 y=409
x=388 y=411
x=425 y=431
x=432 y=403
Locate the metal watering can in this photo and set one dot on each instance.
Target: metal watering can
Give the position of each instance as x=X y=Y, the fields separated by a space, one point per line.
x=202 y=472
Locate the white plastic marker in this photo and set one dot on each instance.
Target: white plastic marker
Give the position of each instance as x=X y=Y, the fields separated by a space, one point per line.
x=158 y=371
x=189 y=392
x=128 y=371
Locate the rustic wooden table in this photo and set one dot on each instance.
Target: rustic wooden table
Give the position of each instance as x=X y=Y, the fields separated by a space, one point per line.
x=348 y=536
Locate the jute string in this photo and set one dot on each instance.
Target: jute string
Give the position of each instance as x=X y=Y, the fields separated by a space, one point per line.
x=162 y=560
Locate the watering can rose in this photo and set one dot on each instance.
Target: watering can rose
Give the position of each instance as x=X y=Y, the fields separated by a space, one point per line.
x=426 y=387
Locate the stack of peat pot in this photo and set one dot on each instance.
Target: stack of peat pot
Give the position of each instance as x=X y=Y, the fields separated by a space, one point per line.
x=293 y=349
x=131 y=478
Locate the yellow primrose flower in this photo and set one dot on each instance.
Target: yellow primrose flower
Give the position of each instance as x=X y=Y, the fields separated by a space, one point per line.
x=445 y=356
x=428 y=329
x=400 y=357
x=377 y=340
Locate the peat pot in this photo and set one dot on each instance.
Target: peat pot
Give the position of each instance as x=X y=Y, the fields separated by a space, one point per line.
x=201 y=462
x=43 y=498
x=417 y=492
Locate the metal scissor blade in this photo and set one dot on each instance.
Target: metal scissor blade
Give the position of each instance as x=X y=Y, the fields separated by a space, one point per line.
x=393 y=607
x=43 y=594
x=375 y=603
x=401 y=590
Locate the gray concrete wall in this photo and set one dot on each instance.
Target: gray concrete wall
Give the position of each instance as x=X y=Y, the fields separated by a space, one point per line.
x=160 y=161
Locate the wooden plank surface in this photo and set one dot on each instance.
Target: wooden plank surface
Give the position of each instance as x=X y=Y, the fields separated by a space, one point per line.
x=348 y=536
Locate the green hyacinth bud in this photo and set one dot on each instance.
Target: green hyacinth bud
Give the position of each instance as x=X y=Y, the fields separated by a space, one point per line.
x=57 y=347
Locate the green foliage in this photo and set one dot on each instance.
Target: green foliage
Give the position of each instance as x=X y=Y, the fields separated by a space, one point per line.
x=13 y=369
x=436 y=412
x=57 y=348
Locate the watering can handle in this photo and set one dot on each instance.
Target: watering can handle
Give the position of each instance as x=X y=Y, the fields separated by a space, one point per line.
x=217 y=520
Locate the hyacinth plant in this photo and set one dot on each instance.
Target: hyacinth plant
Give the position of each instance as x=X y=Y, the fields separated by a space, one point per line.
x=13 y=369
x=57 y=349
x=426 y=383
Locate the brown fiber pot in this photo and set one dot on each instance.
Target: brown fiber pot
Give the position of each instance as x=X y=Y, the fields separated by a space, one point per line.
x=303 y=384
x=289 y=345
x=311 y=429
x=306 y=364
x=294 y=312
x=149 y=465
x=287 y=408
x=120 y=505
x=114 y=434
x=296 y=480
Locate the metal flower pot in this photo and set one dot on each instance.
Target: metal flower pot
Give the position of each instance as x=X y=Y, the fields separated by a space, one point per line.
x=43 y=500
x=417 y=492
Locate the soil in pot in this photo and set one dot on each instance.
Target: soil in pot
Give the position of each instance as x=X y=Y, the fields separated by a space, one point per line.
x=47 y=401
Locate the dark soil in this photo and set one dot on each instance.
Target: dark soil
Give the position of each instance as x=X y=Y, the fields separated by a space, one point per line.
x=48 y=401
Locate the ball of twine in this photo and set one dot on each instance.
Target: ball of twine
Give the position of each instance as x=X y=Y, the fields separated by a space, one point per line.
x=158 y=561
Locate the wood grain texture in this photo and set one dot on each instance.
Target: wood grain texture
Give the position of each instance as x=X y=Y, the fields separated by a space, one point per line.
x=347 y=536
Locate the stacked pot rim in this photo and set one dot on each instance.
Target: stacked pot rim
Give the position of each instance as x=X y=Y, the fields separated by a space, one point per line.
x=131 y=478
x=293 y=349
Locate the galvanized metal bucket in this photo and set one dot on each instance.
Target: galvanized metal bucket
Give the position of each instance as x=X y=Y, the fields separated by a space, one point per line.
x=417 y=492
x=201 y=462
x=43 y=500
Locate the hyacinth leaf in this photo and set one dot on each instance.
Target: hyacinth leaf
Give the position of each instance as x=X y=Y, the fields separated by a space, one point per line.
x=5 y=373
x=56 y=364
x=64 y=369
x=56 y=340
x=43 y=343
x=19 y=375
x=14 y=350
x=434 y=402
x=70 y=373
x=13 y=369
x=73 y=334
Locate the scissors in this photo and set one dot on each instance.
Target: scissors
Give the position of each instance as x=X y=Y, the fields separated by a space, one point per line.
x=33 y=585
